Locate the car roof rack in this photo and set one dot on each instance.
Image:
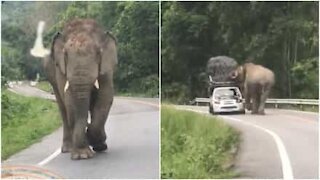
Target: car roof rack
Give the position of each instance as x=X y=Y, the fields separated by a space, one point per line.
x=222 y=84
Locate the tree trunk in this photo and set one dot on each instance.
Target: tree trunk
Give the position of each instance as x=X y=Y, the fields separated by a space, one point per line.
x=288 y=67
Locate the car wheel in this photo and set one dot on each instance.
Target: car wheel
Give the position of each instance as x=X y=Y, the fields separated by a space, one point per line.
x=243 y=112
x=210 y=109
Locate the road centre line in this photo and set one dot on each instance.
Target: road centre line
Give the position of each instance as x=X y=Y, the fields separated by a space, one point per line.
x=49 y=158
x=285 y=161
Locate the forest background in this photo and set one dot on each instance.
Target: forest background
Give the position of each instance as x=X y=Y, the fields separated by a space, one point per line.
x=135 y=25
x=282 y=36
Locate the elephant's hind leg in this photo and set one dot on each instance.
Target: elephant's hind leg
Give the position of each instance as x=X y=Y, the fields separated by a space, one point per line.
x=263 y=99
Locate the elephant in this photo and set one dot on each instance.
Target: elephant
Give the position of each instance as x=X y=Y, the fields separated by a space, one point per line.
x=80 y=67
x=256 y=82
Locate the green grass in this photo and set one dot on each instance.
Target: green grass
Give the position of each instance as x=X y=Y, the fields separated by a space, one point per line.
x=45 y=86
x=196 y=146
x=24 y=121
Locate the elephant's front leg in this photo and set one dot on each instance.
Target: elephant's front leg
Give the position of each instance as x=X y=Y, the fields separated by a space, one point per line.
x=247 y=100
x=67 y=138
x=67 y=131
x=78 y=116
x=100 y=108
x=254 y=105
x=248 y=103
x=81 y=149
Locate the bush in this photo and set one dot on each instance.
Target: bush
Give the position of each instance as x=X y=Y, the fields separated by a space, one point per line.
x=175 y=92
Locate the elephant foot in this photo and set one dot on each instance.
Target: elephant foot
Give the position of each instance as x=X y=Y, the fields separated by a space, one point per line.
x=81 y=153
x=254 y=112
x=100 y=147
x=248 y=107
x=261 y=113
x=66 y=147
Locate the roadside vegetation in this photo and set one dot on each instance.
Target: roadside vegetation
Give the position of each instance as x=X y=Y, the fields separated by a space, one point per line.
x=24 y=121
x=44 y=86
x=196 y=146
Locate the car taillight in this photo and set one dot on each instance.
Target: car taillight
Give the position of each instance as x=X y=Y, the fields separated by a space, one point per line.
x=239 y=100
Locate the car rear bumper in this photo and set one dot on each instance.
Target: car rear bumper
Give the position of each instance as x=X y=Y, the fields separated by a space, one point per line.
x=228 y=108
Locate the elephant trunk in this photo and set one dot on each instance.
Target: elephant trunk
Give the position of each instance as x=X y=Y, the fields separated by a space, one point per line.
x=80 y=91
x=80 y=100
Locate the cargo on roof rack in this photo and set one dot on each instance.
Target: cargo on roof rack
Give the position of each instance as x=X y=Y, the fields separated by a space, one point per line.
x=222 y=84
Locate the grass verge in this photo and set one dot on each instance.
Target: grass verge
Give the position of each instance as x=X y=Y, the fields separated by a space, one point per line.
x=45 y=86
x=24 y=121
x=195 y=146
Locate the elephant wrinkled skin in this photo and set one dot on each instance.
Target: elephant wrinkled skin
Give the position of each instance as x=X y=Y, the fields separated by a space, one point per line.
x=80 y=68
x=257 y=82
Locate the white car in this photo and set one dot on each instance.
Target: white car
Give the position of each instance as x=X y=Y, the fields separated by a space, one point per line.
x=226 y=99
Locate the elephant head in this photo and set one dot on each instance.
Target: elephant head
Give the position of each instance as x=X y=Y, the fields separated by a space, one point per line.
x=80 y=66
x=256 y=82
x=238 y=74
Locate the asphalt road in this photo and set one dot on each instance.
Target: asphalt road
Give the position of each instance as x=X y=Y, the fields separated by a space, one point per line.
x=133 y=144
x=281 y=144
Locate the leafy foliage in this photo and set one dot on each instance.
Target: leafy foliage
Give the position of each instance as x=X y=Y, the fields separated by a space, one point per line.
x=137 y=32
x=135 y=25
x=279 y=35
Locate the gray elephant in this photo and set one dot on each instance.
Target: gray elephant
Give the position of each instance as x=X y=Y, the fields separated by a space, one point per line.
x=80 y=67
x=257 y=82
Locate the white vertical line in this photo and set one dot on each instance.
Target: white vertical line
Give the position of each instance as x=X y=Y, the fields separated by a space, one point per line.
x=159 y=69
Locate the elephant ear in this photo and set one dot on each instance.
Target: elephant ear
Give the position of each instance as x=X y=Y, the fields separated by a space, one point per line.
x=109 y=58
x=57 y=52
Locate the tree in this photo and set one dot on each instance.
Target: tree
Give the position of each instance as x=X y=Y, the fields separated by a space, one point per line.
x=135 y=25
x=279 y=35
x=137 y=32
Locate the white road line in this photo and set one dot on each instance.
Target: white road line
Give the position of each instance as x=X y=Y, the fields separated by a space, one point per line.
x=285 y=161
x=49 y=158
